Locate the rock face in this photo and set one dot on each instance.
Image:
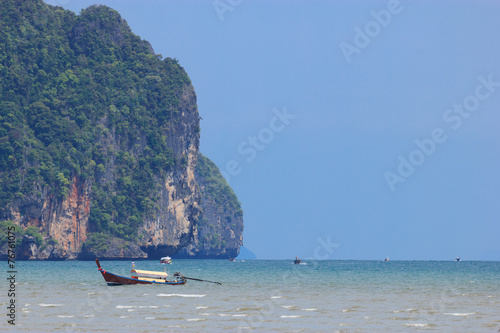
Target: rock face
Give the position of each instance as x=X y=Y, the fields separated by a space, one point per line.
x=65 y=221
x=28 y=247
x=115 y=249
x=52 y=252
x=102 y=143
x=219 y=232
x=178 y=207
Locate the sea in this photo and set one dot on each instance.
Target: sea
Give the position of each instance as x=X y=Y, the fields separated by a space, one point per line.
x=257 y=296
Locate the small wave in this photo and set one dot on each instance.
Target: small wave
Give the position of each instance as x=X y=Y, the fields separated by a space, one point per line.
x=123 y=317
x=150 y=318
x=417 y=325
x=125 y=307
x=310 y=309
x=348 y=310
x=223 y=315
x=244 y=309
x=195 y=319
x=459 y=314
x=288 y=306
x=202 y=307
x=290 y=316
x=50 y=305
x=239 y=315
x=180 y=295
x=62 y=316
x=276 y=297
x=153 y=307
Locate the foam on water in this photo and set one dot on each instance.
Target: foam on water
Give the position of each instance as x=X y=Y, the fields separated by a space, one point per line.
x=459 y=314
x=416 y=324
x=180 y=295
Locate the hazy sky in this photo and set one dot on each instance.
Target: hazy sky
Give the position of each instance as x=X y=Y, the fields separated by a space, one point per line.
x=347 y=129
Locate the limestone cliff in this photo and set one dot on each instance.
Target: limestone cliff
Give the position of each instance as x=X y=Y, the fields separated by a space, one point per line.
x=64 y=221
x=99 y=140
x=171 y=226
x=219 y=233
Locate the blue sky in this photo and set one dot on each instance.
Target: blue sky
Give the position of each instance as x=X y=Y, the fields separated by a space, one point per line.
x=348 y=129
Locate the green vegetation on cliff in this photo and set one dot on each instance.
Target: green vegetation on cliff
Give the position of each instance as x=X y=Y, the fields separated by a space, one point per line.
x=216 y=186
x=82 y=97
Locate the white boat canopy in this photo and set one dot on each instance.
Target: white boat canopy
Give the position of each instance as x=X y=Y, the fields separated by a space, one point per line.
x=150 y=274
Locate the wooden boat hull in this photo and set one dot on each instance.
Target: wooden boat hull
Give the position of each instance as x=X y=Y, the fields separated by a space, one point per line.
x=117 y=280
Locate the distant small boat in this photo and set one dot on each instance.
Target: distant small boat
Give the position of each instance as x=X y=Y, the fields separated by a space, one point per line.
x=140 y=277
x=458 y=259
x=232 y=259
x=386 y=259
x=166 y=260
x=297 y=261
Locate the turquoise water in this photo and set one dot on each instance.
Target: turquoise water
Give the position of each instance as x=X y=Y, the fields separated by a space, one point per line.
x=260 y=296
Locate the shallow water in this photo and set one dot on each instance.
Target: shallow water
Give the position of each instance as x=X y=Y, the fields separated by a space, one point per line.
x=260 y=296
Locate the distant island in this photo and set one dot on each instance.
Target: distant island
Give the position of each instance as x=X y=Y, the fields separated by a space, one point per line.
x=99 y=144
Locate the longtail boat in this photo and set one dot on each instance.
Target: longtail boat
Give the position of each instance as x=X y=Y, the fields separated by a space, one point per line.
x=140 y=277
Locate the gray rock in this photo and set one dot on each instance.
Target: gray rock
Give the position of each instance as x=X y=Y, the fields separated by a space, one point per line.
x=116 y=249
